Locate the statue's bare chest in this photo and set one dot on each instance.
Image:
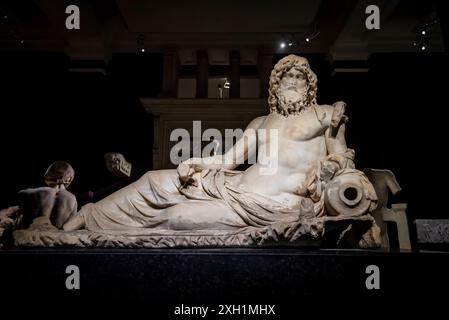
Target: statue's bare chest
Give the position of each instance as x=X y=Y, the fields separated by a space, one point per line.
x=301 y=127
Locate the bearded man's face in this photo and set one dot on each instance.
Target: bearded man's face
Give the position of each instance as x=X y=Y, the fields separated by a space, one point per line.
x=292 y=87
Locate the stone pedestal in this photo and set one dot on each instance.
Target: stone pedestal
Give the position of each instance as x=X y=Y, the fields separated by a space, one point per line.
x=432 y=234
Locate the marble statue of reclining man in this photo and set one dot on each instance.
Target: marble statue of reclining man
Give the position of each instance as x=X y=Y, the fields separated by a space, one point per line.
x=313 y=176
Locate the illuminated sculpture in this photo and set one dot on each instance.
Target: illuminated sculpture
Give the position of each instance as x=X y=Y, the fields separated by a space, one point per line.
x=304 y=192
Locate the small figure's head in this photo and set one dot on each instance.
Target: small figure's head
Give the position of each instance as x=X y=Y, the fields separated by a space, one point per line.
x=59 y=174
x=293 y=86
x=117 y=164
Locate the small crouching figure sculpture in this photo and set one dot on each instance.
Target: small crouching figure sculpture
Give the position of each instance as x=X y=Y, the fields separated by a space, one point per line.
x=51 y=203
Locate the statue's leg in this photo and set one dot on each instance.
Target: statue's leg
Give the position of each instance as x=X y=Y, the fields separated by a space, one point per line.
x=76 y=222
x=137 y=205
x=201 y=215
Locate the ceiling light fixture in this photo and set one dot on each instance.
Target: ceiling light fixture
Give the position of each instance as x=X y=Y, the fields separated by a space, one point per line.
x=424 y=30
x=287 y=40
x=312 y=36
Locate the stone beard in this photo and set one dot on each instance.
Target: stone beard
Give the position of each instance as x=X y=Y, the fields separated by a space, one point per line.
x=293 y=91
x=292 y=101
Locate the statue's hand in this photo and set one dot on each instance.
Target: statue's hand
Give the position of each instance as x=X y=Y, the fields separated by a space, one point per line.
x=185 y=171
x=339 y=113
x=328 y=170
x=188 y=171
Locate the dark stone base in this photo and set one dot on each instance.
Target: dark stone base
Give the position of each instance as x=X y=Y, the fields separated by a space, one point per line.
x=167 y=278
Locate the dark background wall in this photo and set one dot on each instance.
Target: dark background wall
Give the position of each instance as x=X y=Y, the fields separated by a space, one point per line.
x=396 y=111
x=48 y=113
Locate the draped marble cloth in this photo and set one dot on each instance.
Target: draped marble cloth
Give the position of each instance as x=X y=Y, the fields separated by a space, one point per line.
x=146 y=206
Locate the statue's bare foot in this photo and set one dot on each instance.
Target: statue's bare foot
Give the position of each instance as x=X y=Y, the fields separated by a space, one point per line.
x=75 y=223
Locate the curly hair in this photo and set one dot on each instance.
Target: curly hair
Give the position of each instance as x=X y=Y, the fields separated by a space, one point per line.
x=301 y=64
x=58 y=173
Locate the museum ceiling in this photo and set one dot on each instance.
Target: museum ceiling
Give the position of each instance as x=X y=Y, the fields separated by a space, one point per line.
x=125 y=26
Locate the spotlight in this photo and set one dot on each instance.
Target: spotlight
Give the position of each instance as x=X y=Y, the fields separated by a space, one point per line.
x=423 y=30
x=21 y=41
x=5 y=16
x=143 y=49
x=282 y=45
x=424 y=44
x=290 y=44
x=312 y=35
